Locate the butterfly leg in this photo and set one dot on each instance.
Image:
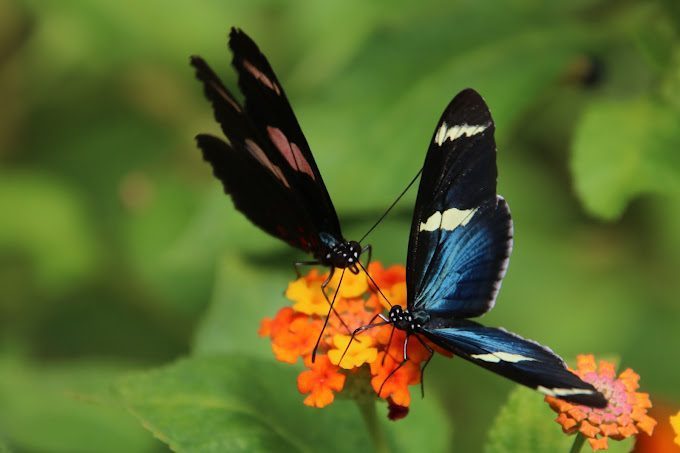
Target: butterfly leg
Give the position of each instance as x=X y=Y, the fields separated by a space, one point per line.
x=374 y=283
x=422 y=370
x=298 y=264
x=389 y=343
x=330 y=309
x=358 y=330
x=330 y=303
x=403 y=362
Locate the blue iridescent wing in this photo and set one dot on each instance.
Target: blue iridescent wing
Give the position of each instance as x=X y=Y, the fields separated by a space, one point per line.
x=523 y=361
x=461 y=235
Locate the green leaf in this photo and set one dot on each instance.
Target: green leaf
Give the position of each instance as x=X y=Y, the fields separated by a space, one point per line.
x=527 y=424
x=243 y=296
x=623 y=149
x=230 y=403
x=235 y=403
x=65 y=407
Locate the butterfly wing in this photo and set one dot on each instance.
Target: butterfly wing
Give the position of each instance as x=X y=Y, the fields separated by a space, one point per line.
x=523 y=361
x=251 y=170
x=268 y=108
x=461 y=235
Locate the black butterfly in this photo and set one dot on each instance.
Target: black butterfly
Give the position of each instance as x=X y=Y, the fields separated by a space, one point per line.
x=267 y=166
x=459 y=248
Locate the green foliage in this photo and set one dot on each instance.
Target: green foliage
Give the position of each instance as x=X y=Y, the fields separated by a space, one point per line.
x=65 y=408
x=119 y=251
x=623 y=149
x=245 y=404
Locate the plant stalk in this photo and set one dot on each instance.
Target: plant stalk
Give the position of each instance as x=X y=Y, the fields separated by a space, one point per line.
x=375 y=430
x=578 y=443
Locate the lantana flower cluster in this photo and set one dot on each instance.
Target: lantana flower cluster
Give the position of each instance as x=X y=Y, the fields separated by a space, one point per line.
x=374 y=353
x=624 y=416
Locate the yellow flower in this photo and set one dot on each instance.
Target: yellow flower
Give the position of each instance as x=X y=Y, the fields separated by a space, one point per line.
x=360 y=351
x=675 y=423
x=307 y=295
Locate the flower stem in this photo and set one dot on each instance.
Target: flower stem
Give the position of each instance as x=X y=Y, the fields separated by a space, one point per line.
x=578 y=443
x=368 y=413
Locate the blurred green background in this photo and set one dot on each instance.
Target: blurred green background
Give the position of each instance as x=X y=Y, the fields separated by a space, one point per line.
x=119 y=252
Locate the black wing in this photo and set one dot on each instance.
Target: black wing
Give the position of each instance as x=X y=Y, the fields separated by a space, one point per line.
x=268 y=177
x=461 y=235
x=268 y=108
x=257 y=193
x=523 y=361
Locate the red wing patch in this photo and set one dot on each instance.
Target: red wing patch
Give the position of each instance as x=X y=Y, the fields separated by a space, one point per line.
x=217 y=87
x=262 y=158
x=290 y=151
x=259 y=75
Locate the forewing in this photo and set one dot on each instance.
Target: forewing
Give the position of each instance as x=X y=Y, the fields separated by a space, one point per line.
x=461 y=235
x=257 y=193
x=523 y=361
x=268 y=108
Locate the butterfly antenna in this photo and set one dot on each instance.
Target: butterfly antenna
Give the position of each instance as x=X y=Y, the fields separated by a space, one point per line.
x=403 y=192
x=374 y=284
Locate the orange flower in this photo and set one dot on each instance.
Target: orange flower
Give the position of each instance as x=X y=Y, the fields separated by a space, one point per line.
x=624 y=416
x=320 y=381
x=294 y=331
x=392 y=283
x=293 y=335
x=396 y=387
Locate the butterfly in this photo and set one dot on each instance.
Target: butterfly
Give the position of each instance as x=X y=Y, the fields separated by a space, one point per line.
x=458 y=253
x=266 y=165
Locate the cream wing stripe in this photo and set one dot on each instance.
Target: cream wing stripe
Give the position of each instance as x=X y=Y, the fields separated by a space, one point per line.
x=448 y=220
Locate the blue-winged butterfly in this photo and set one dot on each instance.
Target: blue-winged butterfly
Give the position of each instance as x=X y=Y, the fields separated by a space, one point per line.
x=458 y=252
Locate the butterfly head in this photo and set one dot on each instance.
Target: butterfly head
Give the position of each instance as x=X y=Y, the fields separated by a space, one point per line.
x=404 y=319
x=345 y=255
